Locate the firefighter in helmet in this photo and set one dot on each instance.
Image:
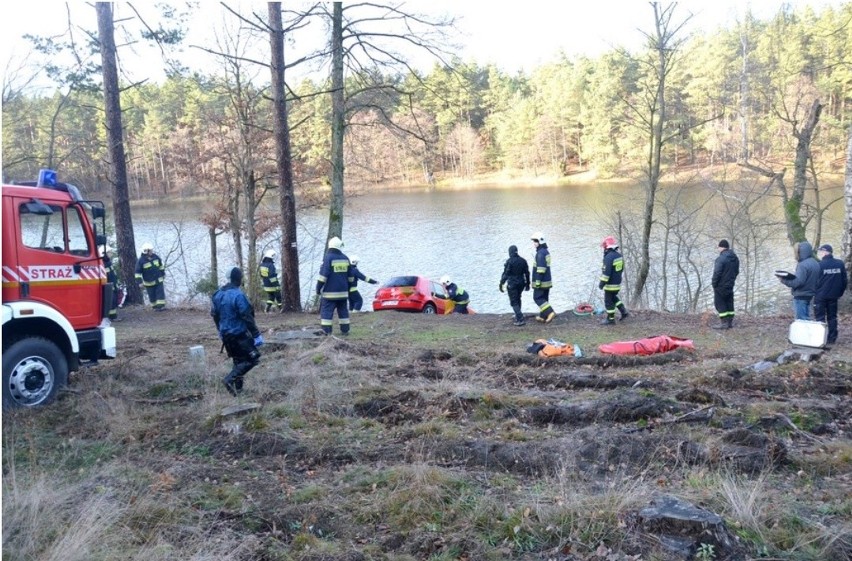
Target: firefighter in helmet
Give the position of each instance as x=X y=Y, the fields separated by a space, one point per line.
x=459 y=296
x=269 y=278
x=335 y=278
x=112 y=278
x=151 y=274
x=542 y=282
x=355 y=298
x=610 y=281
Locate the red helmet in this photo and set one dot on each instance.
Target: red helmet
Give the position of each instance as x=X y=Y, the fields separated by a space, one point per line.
x=609 y=242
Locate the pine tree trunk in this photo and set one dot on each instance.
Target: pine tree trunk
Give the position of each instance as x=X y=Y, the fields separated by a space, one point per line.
x=290 y=294
x=335 y=211
x=115 y=149
x=847 y=226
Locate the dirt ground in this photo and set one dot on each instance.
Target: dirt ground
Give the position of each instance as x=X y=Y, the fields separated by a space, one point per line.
x=428 y=437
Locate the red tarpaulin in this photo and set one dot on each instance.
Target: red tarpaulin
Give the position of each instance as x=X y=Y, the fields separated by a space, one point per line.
x=647 y=346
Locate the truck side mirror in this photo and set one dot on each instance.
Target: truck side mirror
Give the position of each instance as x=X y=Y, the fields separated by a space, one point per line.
x=100 y=240
x=98 y=212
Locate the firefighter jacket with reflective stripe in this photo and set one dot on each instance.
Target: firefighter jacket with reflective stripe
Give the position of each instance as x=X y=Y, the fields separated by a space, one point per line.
x=541 y=271
x=335 y=276
x=232 y=313
x=458 y=295
x=613 y=266
x=150 y=270
x=268 y=275
x=111 y=277
x=356 y=276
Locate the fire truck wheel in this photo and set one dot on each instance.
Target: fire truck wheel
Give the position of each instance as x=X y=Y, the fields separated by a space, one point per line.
x=33 y=371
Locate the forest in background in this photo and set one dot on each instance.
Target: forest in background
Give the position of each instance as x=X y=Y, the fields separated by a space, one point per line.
x=738 y=94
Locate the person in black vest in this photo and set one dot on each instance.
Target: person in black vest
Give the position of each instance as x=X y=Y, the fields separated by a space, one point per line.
x=459 y=296
x=355 y=298
x=725 y=271
x=515 y=279
x=610 y=281
x=234 y=318
x=269 y=278
x=830 y=287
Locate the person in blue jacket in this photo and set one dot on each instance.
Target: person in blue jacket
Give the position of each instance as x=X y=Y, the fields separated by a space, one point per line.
x=355 y=298
x=803 y=284
x=830 y=287
x=335 y=278
x=234 y=318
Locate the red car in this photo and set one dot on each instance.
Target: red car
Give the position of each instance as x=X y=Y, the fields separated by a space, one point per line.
x=411 y=293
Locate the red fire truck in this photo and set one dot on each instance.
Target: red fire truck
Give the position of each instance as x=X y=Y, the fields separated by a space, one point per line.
x=55 y=294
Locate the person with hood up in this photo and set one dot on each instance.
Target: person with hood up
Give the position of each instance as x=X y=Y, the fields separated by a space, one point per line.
x=542 y=282
x=803 y=283
x=830 y=287
x=234 y=318
x=355 y=298
x=335 y=278
x=269 y=278
x=515 y=280
x=726 y=268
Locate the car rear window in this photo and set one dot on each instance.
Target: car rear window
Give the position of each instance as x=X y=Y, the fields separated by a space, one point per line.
x=402 y=281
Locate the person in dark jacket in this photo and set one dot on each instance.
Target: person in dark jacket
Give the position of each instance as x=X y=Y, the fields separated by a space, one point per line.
x=112 y=278
x=234 y=318
x=803 y=284
x=459 y=296
x=830 y=287
x=151 y=274
x=335 y=278
x=541 y=280
x=269 y=278
x=725 y=272
x=355 y=299
x=515 y=280
x=610 y=281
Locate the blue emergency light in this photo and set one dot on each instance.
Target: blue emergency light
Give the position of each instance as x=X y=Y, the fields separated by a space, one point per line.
x=46 y=178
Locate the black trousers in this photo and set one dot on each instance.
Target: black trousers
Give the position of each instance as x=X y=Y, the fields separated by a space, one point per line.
x=541 y=296
x=514 y=293
x=355 y=301
x=245 y=355
x=826 y=310
x=724 y=302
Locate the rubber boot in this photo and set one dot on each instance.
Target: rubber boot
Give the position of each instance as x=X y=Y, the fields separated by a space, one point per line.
x=724 y=323
x=608 y=320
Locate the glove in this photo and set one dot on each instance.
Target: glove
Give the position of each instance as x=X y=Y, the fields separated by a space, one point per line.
x=527 y=288
x=501 y=287
x=258 y=341
x=373 y=281
x=601 y=285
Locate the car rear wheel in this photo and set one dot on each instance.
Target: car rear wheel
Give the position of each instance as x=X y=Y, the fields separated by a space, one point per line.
x=430 y=308
x=33 y=371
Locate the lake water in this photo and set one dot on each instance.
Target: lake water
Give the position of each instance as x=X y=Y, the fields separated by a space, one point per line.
x=466 y=233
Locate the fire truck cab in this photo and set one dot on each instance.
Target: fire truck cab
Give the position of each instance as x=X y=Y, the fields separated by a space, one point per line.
x=55 y=295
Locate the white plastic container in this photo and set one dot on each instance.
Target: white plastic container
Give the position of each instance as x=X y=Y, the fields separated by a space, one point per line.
x=804 y=333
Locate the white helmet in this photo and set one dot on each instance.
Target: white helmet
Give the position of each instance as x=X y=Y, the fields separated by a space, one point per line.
x=270 y=253
x=335 y=243
x=446 y=280
x=147 y=246
x=353 y=259
x=103 y=249
x=537 y=237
